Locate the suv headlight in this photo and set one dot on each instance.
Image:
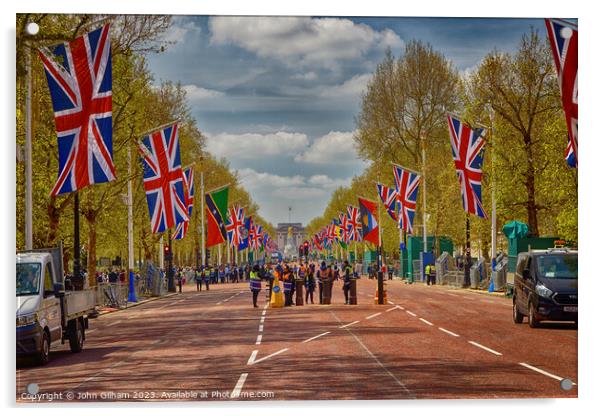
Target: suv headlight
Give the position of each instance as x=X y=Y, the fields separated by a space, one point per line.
x=543 y=291
x=28 y=319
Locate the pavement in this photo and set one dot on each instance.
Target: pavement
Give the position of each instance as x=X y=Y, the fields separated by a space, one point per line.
x=425 y=343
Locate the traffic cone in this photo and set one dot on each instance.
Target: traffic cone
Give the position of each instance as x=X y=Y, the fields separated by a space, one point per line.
x=376 y=296
x=277 y=300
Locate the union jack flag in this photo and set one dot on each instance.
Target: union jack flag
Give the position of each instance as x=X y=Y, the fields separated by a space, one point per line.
x=388 y=196
x=355 y=224
x=163 y=178
x=569 y=155
x=344 y=224
x=467 y=150
x=317 y=241
x=251 y=234
x=563 y=39
x=182 y=228
x=257 y=237
x=81 y=91
x=406 y=188
x=236 y=221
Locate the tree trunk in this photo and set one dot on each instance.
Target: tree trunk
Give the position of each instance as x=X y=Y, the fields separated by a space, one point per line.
x=530 y=185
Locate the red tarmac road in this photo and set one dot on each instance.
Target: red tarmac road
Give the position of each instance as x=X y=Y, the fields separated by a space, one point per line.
x=427 y=343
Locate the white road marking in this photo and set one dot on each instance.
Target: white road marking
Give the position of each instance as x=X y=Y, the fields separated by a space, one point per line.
x=410 y=313
x=374 y=315
x=258 y=339
x=266 y=307
x=264 y=312
x=114 y=323
x=392 y=309
x=219 y=303
x=426 y=322
x=451 y=294
x=252 y=357
x=453 y=334
x=485 y=348
x=260 y=328
x=267 y=356
x=316 y=337
x=390 y=303
x=262 y=320
x=349 y=324
x=241 y=382
x=90 y=331
x=545 y=373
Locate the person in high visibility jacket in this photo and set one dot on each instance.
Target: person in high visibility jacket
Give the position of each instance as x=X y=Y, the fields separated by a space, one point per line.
x=310 y=283
x=255 y=284
x=288 y=281
x=427 y=274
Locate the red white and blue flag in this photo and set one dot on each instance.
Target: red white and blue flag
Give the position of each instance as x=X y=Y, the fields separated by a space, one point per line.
x=344 y=224
x=563 y=40
x=406 y=189
x=467 y=150
x=182 y=228
x=388 y=196
x=80 y=83
x=163 y=178
x=355 y=223
x=234 y=226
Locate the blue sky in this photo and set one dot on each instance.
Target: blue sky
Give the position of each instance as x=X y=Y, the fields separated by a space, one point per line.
x=277 y=96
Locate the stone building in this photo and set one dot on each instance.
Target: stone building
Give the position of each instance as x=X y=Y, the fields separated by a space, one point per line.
x=298 y=231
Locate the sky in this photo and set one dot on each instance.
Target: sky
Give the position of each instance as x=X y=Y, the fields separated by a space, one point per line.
x=278 y=96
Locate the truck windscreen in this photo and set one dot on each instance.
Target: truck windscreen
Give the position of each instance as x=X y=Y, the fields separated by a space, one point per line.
x=28 y=279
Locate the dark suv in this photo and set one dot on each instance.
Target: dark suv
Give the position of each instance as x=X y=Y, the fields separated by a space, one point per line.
x=545 y=286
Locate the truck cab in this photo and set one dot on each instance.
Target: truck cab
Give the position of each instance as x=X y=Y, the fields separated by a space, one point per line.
x=545 y=286
x=46 y=314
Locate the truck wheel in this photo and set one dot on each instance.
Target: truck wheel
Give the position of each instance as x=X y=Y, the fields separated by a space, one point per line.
x=517 y=317
x=43 y=355
x=76 y=336
x=533 y=322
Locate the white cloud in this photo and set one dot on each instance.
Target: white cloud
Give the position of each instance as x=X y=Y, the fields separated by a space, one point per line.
x=328 y=182
x=307 y=76
x=252 y=180
x=301 y=40
x=299 y=193
x=253 y=145
x=335 y=148
x=180 y=29
x=353 y=87
x=195 y=93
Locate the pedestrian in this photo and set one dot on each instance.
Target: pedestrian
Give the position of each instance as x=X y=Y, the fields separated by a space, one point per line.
x=432 y=276
x=336 y=273
x=427 y=273
x=255 y=284
x=390 y=271
x=325 y=276
x=288 y=285
x=179 y=278
x=310 y=283
x=198 y=279
x=347 y=271
x=205 y=275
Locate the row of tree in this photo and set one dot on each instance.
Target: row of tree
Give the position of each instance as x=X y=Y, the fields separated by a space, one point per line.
x=516 y=96
x=139 y=104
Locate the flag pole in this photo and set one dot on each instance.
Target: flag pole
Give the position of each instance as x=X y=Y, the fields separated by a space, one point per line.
x=493 y=204
x=379 y=273
x=424 y=232
x=132 y=292
x=203 y=257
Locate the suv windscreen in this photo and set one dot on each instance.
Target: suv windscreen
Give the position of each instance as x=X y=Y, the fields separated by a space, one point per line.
x=557 y=266
x=28 y=278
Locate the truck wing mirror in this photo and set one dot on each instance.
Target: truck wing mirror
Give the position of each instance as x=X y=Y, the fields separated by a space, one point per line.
x=59 y=289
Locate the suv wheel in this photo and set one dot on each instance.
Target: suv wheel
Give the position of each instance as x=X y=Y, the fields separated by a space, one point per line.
x=76 y=336
x=43 y=356
x=533 y=322
x=517 y=317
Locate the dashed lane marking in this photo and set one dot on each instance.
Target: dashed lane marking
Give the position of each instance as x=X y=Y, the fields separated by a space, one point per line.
x=258 y=339
x=114 y=323
x=392 y=309
x=349 y=324
x=260 y=328
x=545 y=373
x=452 y=294
x=90 y=331
x=410 y=313
x=453 y=334
x=316 y=337
x=374 y=315
x=262 y=320
x=239 y=384
x=390 y=303
x=476 y=344
x=426 y=322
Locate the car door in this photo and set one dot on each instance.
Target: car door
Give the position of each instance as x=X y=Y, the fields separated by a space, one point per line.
x=50 y=305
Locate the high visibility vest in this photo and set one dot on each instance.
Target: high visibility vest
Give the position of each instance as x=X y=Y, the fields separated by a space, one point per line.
x=288 y=286
x=254 y=281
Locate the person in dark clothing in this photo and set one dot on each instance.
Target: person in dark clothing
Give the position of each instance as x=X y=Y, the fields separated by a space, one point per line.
x=310 y=284
x=347 y=271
